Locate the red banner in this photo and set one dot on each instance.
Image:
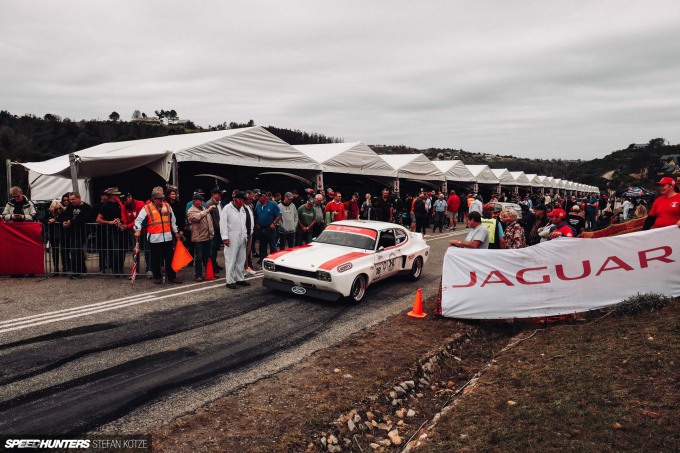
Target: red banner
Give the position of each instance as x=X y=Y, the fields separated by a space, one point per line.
x=615 y=229
x=21 y=248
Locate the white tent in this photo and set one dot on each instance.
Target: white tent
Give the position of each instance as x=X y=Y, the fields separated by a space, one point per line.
x=520 y=178
x=545 y=180
x=534 y=179
x=354 y=158
x=454 y=170
x=413 y=166
x=250 y=147
x=504 y=176
x=483 y=174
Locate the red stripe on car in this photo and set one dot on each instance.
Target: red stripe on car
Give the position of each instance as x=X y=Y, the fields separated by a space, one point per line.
x=328 y=265
x=276 y=255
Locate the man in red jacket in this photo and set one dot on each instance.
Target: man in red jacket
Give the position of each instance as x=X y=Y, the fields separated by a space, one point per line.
x=452 y=205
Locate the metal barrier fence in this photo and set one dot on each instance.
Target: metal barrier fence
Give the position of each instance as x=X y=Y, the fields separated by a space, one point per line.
x=91 y=249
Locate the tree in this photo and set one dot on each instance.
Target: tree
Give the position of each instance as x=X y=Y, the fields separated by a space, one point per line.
x=172 y=116
x=656 y=143
x=114 y=116
x=143 y=115
x=136 y=115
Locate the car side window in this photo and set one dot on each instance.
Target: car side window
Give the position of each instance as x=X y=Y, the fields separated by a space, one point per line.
x=386 y=239
x=399 y=236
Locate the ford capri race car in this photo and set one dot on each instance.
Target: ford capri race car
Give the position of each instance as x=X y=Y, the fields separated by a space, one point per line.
x=345 y=259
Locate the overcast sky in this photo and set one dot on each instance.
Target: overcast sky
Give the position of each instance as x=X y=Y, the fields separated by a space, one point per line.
x=559 y=79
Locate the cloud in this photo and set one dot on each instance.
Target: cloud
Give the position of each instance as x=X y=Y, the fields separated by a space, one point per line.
x=529 y=78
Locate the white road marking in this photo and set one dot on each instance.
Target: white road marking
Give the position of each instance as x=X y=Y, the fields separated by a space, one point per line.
x=76 y=312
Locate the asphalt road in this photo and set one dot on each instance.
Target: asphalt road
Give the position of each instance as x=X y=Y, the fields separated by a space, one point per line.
x=99 y=355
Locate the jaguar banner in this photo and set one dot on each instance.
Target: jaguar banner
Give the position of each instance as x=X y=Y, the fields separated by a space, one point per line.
x=559 y=277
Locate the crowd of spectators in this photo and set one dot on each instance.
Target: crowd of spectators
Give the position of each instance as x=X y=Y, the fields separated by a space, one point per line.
x=269 y=222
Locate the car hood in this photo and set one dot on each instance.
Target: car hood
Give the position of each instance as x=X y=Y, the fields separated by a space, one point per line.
x=315 y=257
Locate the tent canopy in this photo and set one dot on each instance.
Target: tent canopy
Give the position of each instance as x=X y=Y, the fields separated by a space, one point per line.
x=534 y=179
x=483 y=174
x=520 y=178
x=356 y=158
x=454 y=170
x=504 y=176
x=413 y=166
x=251 y=147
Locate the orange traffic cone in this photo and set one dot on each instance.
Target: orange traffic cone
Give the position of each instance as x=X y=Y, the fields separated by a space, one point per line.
x=417 y=311
x=209 y=273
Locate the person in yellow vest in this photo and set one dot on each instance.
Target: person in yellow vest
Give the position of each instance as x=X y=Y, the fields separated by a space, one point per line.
x=161 y=227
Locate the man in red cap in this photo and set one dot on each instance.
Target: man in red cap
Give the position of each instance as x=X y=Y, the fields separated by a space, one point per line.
x=666 y=208
x=561 y=228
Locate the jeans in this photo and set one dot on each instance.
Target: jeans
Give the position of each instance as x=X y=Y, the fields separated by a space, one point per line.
x=202 y=251
x=268 y=238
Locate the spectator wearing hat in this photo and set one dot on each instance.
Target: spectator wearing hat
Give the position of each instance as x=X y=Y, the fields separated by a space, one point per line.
x=306 y=222
x=560 y=227
x=215 y=200
x=665 y=210
x=267 y=216
x=234 y=230
x=289 y=222
x=576 y=220
x=202 y=234
x=112 y=227
x=18 y=208
x=161 y=228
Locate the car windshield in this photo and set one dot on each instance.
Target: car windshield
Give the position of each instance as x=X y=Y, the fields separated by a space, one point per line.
x=346 y=239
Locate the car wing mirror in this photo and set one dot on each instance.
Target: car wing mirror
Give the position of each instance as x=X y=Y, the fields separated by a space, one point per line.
x=381 y=248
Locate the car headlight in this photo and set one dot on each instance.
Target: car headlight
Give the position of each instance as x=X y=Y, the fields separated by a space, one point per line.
x=323 y=276
x=269 y=265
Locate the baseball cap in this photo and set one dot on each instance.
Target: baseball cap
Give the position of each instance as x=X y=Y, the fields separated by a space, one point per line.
x=198 y=196
x=557 y=213
x=666 y=180
x=240 y=194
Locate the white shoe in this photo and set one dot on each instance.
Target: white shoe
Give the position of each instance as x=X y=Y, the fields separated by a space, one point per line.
x=249 y=271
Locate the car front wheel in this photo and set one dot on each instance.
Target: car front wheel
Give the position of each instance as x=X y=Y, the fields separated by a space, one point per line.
x=416 y=269
x=358 y=288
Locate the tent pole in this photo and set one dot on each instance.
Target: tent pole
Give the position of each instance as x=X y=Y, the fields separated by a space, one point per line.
x=74 y=171
x=8 y=163
x=175 y=172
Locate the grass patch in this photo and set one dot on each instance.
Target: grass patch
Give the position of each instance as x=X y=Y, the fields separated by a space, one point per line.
x=606 y=386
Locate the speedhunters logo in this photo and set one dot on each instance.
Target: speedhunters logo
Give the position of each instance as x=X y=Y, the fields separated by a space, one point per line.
x=84 y=444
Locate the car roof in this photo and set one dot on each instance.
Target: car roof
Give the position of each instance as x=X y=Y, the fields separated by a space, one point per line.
x=372 y=224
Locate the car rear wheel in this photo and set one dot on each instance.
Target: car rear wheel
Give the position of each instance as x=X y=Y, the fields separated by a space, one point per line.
x=416 y=269
x=358 y=288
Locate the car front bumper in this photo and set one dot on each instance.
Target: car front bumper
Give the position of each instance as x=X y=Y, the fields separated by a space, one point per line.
x=300 y=290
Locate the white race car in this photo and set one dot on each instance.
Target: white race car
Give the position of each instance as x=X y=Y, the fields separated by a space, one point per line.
x=346 y=257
